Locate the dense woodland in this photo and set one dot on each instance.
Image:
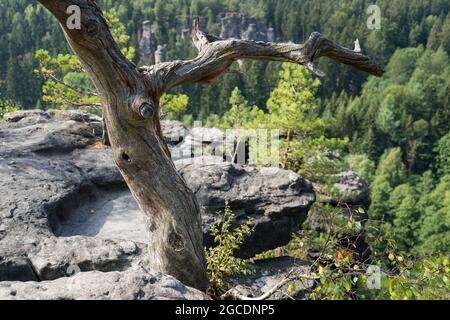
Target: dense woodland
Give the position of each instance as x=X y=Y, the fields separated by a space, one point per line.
x=393 y=130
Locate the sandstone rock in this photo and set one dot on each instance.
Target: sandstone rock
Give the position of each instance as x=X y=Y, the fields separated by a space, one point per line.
x=266 y=274
x=147 y=42
x=136 y=283
x=174 y=132
x=49 y=132
x=351 y=189
x=65 y=207
x=277 y=200
x=46 y=169
x=199 y=141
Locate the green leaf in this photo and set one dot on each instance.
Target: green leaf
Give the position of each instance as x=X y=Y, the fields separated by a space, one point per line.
x=292 y=288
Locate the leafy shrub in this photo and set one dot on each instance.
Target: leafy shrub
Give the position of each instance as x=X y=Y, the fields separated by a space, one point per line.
x=221 y=262
x=6 y=106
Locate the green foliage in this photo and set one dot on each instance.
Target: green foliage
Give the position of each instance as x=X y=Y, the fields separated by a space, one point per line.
x=443 y=155
x=239 y=116
x=173 y=106
x=119 y=33
x=425 y=279
x=6 y=106
x=434 y=232
x=362 y=165
x=344 y=276
x=67 y=85
x=390 y=173
x=221 y=262
x=380 y=193
x=26 y=27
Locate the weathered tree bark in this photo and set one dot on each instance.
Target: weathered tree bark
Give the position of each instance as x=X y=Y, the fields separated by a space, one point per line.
x=105 y=136
x=130 y=98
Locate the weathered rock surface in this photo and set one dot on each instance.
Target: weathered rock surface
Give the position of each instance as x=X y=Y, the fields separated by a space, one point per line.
x=43 y=175
x=266 y=274
x=351 y=189
x=197 y=142
x=64 y=206
x=277 y=200
x=174 y=132
x=136 y=283
x=231 y=24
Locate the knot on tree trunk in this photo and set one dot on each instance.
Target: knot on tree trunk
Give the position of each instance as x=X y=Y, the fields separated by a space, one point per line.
x=147 y=110
x=131 y=110
x=142 y=107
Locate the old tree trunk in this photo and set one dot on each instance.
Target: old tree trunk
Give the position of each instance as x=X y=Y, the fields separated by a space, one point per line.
x=130 y=98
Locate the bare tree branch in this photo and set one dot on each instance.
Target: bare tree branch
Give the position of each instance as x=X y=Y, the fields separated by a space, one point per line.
x=216 y=55
x=130 y=98
x=235 y=294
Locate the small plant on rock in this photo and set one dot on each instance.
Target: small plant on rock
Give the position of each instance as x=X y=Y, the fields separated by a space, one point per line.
x=6 y=106
x=221 y=262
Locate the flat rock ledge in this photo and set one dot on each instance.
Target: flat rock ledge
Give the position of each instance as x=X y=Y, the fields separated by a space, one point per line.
x=136 y=283
x=65 y=209
x=268 y=274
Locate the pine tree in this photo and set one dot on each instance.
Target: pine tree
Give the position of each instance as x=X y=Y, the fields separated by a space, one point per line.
x=13 y=90
x=380 y=193
x=445 y=34
x=405 y=216
x=443 y=156
x=435 y=226
x=392 y=167
x=434 y=39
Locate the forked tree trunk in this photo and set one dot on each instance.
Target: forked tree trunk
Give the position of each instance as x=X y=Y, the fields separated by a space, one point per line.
x=130 y=97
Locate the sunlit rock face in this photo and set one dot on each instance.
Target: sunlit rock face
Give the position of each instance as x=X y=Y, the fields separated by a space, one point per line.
x=240 y=26
x=231 y=25
x=148 y=43
x=69 y=228
x=65 y=207
x=277 y=200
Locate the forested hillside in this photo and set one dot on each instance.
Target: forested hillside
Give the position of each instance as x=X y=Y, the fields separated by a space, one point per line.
x=394 y=131
x=26 y=27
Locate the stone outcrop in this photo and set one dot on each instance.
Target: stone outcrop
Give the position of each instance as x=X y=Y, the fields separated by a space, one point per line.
x=65 y=208
x=136 y=283
x=266 y=274
x=184 y=26
x=43 y=175
x=277 y=200
x=160 y=54
x=147 y=43
x=240 y=26
x=231 y=25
